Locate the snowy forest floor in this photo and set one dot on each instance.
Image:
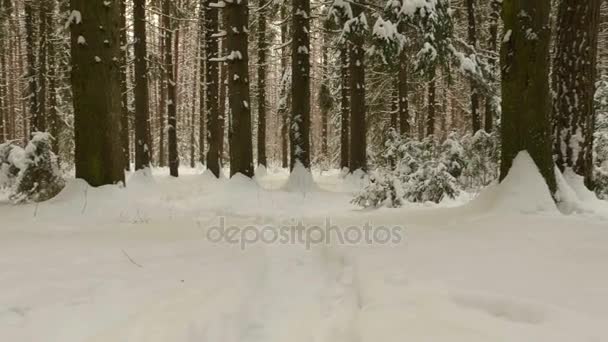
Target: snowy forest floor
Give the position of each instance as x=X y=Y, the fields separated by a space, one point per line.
x=135 y=264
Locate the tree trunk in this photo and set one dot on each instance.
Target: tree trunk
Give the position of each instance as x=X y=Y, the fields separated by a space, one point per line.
x=143 y=141
x=404 y=111
x=526 y=103
x=171 y=71
x=36 y=120
x=574 y=75
x=96 y=89
x=162 y=89
x=124 y=88
x=472 y=38
x=490 y=110
x=262 y=47
x=432 y=103
x=358 y=136
x=213 y=87
x=241 y=148
x=285 y=94
x=299 y=132
x=344 y=107
x=43 y=34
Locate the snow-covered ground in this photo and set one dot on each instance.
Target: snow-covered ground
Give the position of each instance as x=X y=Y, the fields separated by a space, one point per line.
x=136 y=264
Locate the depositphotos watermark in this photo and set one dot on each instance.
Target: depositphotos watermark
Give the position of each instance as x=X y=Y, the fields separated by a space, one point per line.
x=298 y=233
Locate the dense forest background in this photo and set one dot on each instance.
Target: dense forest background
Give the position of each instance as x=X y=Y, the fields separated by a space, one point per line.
x=273 y=83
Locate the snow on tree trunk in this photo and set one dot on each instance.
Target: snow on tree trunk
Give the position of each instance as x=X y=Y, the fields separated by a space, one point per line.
x=574 y=75
x=212 y=89
x=300 y=84
x=526 y=103
x=170 y=67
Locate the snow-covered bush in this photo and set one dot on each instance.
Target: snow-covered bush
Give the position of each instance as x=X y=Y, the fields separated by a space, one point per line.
x=601 y=182
x=453 y=154
x=482 y=155
x=432 y=182
x=10 y=155
x=414 y=171
x=39 y=178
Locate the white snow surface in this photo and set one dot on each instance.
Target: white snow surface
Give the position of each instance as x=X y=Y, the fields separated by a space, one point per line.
x=134 y=264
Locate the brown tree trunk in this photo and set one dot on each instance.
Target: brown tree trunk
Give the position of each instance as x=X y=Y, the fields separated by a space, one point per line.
x=299 y=132
x=262 y=50
x=432 y=103
x=241 y=147
x=36 y=120
x=358 y=136
x=96 y=92
x=171 y=70
x=526 y=103
x=472 y=37
x=212 y=89
x=404 y=110
x=574 y=75
x=344 y=107
x=143 y=140
x=124 y=89
x=490 y=110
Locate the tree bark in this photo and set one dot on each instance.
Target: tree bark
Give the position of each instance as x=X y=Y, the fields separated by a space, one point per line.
x=472 y=38
x=171 y=70
x=143 y=140
x=574 y=75
x=124 y=89
x=299 y=132
x=241 y=147
x=432 y=109
x=526 y=103
x=403 y=101
x=212 y=91
x=36 y=120
x=344 y=107
x=96 y=89
x=358 y=136
x=490 y=111
x=262 y=50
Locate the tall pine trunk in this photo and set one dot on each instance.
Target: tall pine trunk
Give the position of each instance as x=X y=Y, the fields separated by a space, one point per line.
x=124 y=89
x=96 y=91
x=36 y=120
x=262 y=50
x=143 y=140
x=241 y=147
x=490 y=110
x=526 y=103
x=403 y=91
x=212 y=90
x=299 y=132
x=432 y=107
x=344 y=107
x=574 y=75
x=170 y=69
x=358 y=134
x=472 y=38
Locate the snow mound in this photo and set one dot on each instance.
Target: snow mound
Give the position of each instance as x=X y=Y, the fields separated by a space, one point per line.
x=141 y=178
x=574 y=197
x=524 y=190
x=300 y=180
x=241 y=183
x=208 y=175
x=260 y=171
